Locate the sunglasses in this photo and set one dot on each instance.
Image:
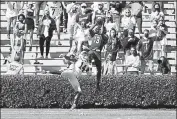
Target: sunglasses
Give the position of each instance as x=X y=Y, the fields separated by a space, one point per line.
x=127 y=12
x=83 y=6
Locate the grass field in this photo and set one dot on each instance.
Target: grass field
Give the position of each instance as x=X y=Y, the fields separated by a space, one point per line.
x=88 y=114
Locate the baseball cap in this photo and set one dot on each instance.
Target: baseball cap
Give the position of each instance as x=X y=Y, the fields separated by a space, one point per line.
x=83 y=4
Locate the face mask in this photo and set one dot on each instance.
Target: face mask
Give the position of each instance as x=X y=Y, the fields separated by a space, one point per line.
x=146 y=35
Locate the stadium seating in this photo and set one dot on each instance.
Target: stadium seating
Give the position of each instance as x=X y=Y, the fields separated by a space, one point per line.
x=56 y=63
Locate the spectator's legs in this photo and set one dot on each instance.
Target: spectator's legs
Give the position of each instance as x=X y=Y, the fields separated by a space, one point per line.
x=58 y=29
x=143 y=66
x=31 y=39
x=9 y=20
x=65 y=20
x=37 y=10
x=41 y=44
x=70 y=32
x=139 y=24
x=14 y=20
x=48 y=39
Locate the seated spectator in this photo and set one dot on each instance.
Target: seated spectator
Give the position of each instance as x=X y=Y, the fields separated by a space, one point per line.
x=29 y=22
x=163 y=65
x=137 y=8
x=128 y=22
x=156 y=14
x=112 y=48
x=15 y=67
x=132 y=62
x=45 y=32
x=145 y=48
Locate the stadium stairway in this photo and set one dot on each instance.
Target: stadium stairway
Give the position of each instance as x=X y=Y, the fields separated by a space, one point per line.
x=57 y=63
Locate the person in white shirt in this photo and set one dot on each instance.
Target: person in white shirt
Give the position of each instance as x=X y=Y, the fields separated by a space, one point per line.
x=56 y=10
x=72 y=13
x=132 y=62
x=12 y=12
x=128 y=22
x=15 y=67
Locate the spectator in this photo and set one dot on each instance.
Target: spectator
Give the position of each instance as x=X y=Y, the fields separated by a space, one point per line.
x=112 y=48
x=19 y=32
x=128 y=22
x=162 y=32
x=161 y=6
x=12 y=12
x=99 y=14
x=115 y=9
x=132 y=62
x=137 y=8
x=64 y=16
x=45 y=32
x=15 y=67
x=163 y=65
x=109 y=24
x=29 y=22
x=145 y=48
x=132 y=41
x=37 y=10
x=82 y=18
x=157 y=14
x=72 y=12
x=55 y=12
x=156 y=34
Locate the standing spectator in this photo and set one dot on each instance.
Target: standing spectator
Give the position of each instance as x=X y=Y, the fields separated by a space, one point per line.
x=45 y=32
x=145 y=48
x=56 y=12
x=29 y=22
x=12 y=12
x=156 y=34
x=37 y=10
x=64 y=16
x=109 y=23
x=137 y=8
x=128 y=22
x=115 y=9
x=99 y=14
x=112 y=48
x=132 y=62
x=162 y=32
x=157 y=14
x=20 y=40
x=72 y=12
x=82 y=18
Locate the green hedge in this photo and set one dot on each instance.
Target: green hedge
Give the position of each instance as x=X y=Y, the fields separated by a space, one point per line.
x=143 y=91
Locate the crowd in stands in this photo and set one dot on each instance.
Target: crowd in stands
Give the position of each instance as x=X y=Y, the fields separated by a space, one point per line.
x=115 y=21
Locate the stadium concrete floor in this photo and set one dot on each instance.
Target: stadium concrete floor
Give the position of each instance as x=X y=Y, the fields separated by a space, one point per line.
x=88 y=114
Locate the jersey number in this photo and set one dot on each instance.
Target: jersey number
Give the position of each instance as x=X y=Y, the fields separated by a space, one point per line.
x=53 y=11
x=97 y=39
